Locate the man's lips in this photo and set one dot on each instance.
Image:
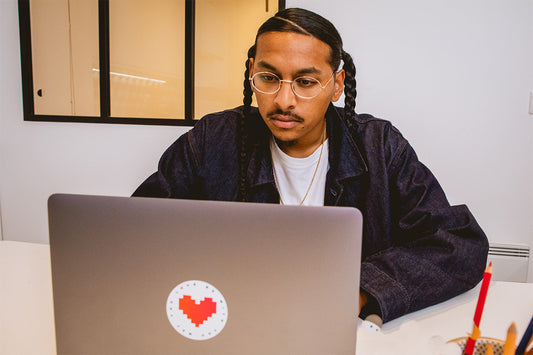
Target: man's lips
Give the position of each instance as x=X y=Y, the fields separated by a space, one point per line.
x=283 y=120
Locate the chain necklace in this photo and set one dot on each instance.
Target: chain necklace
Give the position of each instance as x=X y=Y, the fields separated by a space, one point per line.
x=312 y=179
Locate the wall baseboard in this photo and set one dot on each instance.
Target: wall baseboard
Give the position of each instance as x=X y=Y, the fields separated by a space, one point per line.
x=509 y=262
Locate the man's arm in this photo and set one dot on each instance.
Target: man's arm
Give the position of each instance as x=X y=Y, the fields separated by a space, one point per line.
x=175 y=176
x=438 y=251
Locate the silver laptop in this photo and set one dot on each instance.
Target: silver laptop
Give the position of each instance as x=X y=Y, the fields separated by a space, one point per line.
x=163 y=276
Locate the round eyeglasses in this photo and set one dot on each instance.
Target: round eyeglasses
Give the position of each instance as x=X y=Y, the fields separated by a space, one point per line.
x=305 y=87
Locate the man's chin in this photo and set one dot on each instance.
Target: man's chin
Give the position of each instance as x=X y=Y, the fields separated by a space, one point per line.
x=284 y=143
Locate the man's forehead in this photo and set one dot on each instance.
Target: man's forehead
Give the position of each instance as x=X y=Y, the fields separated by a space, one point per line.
x=277 y=51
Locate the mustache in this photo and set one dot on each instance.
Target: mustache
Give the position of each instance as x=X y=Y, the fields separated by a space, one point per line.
x=280 y=112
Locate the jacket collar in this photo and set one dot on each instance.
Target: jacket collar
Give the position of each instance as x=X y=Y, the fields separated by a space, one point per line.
x=345 y=158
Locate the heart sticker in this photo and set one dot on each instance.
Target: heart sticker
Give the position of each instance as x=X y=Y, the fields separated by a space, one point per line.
x=197 y=313
x=197 y=310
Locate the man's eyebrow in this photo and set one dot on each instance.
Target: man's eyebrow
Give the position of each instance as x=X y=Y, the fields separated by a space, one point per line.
x=266 y=65
x=303 y=71
x=310 y=70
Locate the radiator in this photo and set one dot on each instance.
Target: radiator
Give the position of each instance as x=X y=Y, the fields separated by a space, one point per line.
x=509 y=262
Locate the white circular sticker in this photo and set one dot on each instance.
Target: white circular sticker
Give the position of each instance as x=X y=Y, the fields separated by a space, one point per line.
x=197 y=310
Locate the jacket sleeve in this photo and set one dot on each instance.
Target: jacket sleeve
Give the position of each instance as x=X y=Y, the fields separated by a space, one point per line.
x=436 y=251
x=176 y=173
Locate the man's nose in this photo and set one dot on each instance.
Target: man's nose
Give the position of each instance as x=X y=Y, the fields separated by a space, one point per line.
x=285 y=97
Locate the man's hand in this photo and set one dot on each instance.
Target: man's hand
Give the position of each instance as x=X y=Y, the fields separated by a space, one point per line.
x=363 y=299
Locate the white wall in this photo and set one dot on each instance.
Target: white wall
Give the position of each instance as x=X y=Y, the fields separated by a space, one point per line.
x=454 y=76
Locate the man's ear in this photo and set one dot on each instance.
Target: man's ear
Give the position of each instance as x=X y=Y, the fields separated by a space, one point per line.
x=339 y=85
x=250 y=65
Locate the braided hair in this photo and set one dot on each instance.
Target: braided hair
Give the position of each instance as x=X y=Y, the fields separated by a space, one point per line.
x=310 y=24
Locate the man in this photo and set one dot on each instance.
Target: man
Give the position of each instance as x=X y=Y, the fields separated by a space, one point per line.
x=297 y=148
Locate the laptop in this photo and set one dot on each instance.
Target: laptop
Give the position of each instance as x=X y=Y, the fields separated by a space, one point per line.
x=164 y=276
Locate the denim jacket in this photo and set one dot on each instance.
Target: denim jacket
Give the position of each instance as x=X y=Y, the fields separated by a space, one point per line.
x=417 y=249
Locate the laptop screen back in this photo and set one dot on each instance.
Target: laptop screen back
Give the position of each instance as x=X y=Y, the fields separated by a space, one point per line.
x=161 y=276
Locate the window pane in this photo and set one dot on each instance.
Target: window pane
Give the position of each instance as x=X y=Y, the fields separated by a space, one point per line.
x=147 y=58
x=65 y=56
x=225 y=30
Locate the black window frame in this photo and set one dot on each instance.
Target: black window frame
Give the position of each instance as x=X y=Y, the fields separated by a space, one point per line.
x=105 y=99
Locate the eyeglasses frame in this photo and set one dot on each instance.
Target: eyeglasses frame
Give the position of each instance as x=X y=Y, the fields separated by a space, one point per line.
x=251 y=79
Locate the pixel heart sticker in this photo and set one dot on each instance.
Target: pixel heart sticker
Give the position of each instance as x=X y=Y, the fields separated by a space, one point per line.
x=197 y=310
x=197 y=313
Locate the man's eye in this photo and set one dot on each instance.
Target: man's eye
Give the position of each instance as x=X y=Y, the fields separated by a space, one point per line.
x=306 y=82
x=268 y=78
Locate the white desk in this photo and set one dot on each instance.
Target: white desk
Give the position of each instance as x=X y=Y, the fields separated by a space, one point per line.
x=27 y=322
x=428 y=330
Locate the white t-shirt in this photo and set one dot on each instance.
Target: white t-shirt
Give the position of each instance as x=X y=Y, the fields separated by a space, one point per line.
x=293 y=175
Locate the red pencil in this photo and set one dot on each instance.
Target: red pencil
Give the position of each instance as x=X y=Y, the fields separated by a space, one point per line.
x=470 y=344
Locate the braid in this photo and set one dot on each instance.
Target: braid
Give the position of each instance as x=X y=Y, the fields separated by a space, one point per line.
x=350 y=90
x=247 y=101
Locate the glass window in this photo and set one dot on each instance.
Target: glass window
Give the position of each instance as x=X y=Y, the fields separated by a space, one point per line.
x=225 y=30
x=65 y=53
x=147 y=56
x=135 y=61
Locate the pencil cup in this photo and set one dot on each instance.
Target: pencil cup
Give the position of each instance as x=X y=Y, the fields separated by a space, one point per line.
x=481 y=345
